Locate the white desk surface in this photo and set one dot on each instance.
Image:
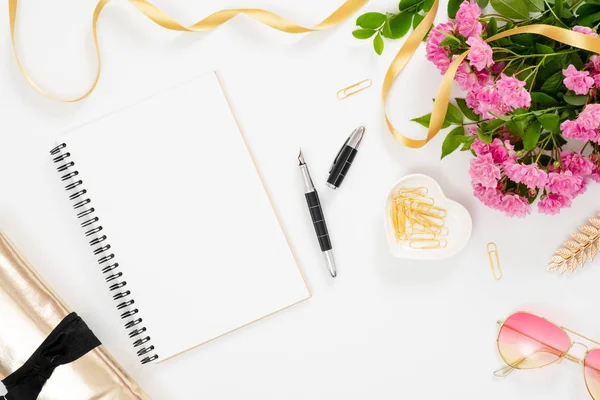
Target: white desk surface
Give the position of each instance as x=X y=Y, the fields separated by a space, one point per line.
x=385 y=328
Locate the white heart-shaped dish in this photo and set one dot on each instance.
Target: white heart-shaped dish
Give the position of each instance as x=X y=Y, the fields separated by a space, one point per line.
x=458 y=222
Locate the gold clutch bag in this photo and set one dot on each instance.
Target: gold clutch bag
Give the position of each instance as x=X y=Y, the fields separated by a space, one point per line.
x=29 y=312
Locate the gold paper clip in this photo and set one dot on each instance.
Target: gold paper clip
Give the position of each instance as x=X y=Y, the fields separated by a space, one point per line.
x=426 y=244
x=353 y=89
x=492 y=250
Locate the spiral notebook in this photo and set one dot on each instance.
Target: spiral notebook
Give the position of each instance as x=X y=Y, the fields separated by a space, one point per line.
x=178 y=219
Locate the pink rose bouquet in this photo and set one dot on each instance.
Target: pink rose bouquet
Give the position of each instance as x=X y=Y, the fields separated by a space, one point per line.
x=527 y=100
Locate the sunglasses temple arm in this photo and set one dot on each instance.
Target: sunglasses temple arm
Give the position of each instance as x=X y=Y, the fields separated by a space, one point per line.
x=504 y=372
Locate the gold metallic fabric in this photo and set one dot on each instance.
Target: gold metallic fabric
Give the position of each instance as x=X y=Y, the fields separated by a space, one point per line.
x=159 y=17
x=440 y=106
x=29 y=311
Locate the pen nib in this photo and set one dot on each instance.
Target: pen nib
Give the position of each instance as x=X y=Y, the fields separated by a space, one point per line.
x=300 y=158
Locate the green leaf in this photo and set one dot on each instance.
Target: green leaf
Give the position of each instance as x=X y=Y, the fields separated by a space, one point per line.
x=427 y=4
x=400 y=24
x=543 y=99
x=532 y=135
x=462 y=104
x=483 y=3
x=535 y=5
x=550 y=122
x=561 y=11
x=576 y=61
x=553 y=84
x=516 y=9
x=526 y=39
x=485 y=139
x=493 y=125
x=576 y=100
x=371 y=20
x=559 y=6
x=386 y=32
x=450 y=40
x=423 y=120
x=417 y=20
x=492 y=27
x=453 y=140
x=587 y=9
x=453 y=115
x=453 y=6
x=378 y=44
x=588 y=20
x=516 y=128
x=542 y=48
x=406 y=4
x=363 y=33
x=426 y=119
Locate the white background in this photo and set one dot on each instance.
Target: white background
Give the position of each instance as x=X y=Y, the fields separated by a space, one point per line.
x=385 y=328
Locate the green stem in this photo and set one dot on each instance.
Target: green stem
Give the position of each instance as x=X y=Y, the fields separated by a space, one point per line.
x=541 y=146
x=584 y=146
x=535 y=74
x=558 y=157
x=500 y=17
x=574 y=6
x=516 y=55
x=413 y=6
x=555 y=16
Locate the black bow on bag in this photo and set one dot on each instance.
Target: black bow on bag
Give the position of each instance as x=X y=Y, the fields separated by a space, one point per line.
x=70 y=340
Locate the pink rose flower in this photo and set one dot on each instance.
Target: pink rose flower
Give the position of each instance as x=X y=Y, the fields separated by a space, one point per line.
x=480 y=148
x=471 y=131
x=498 y=67
x=585 y=30
x=595 y=174
x=490 y=103
x=582 y=188
x=472 y=100
x=515 y=206
x=490 y=197
x=530 y=175
x=574 y=130
x=577 y=164
x=481 y=53
x=467 y=19
x=596 y=78
x=589 y=118
x=484 y=172
x=578 y=81
x=552 y=204
x=465 y=77
x=565 y=183
x=484 y=77
x=501 y=151
x=513 y=92
x=436 y=54
x=595 y=62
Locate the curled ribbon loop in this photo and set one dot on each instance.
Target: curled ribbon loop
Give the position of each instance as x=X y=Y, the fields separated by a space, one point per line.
x=70 y=340
x=442 y=98
x=211 y=22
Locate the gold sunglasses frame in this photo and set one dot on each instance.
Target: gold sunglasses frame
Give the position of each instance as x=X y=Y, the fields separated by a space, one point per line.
x=505 y=371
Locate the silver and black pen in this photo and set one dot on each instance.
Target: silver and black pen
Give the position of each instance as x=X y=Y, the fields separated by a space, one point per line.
x=318 y=219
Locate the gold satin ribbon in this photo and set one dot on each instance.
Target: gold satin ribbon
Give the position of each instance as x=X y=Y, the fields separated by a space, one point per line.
x=211 y=22
x=442 y=98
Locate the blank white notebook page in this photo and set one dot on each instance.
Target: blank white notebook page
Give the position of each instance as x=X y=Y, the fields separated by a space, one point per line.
x=187 y=216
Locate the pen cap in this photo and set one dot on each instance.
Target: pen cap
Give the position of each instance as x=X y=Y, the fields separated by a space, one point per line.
x=341 y=165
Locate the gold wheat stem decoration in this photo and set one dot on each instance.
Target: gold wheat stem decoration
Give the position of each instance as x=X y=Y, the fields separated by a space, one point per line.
x=584 y=247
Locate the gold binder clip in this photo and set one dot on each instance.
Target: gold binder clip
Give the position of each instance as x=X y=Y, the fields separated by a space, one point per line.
x=492 y=250
x=353 y=89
